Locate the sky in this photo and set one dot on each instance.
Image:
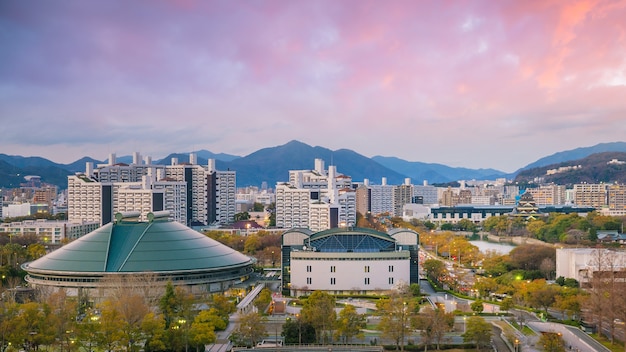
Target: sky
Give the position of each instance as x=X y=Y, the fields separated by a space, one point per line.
x=478 y=84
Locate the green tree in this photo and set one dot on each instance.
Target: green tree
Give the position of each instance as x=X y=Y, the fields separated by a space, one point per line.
x=153 y=327
x=297 y=331
x=202 y=331
x=349 y=324
x=477 y=306
x=263 y=299
x=507 y=304
x=241 y=216
x=477 y=331
x=435 y=269
x=319 y=311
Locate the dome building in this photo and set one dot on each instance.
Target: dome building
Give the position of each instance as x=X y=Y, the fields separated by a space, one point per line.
x=160 y=250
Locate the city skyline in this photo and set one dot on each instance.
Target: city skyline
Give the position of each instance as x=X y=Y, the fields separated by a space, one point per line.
x=479 y=84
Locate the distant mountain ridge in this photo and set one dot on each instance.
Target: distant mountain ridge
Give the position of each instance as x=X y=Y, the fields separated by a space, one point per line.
x=272 y=165
x=595 y=168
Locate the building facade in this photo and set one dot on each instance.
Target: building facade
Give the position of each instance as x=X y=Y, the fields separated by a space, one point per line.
x=49 y=231
x=193 y=194
x=316 y=199
x=348 y=260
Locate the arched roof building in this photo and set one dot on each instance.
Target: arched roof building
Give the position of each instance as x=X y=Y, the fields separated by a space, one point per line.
x=165 y=250
x=348 y=260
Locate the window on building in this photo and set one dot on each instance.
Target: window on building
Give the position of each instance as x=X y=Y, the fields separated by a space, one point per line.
x=367 y=268
x=391 y=281
x=309 y=281
x=332 y=280
x=308 y=269
x=391 y=268
x=332 y=269
x=367 y=280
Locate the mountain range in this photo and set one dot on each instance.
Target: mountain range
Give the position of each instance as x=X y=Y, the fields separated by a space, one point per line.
x=272 y=165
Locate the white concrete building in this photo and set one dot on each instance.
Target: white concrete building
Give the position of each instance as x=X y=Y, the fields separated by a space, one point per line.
x=348 y=260
x=194 y=194
x=581 y=263
x=381 y=198
x=315 y=199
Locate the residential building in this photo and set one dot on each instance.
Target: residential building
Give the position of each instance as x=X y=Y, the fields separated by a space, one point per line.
x=51 y=232
x=193 y=194
x=382 y=198
x=348 y=260
x=427 y=192
x=548 y=194
x=592 y=195
x=316 y=199
x=402 y=194
x=616 y=195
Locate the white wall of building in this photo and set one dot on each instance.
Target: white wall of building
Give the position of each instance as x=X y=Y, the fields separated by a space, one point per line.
x=350 y=271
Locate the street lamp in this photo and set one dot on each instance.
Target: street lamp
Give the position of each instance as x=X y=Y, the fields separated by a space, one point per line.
x=516 y=344
x=464 y=324
x=182 y=323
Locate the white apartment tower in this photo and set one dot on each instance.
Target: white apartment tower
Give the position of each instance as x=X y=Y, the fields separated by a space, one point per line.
x=316 y=199
x=193 y=194
x=381 y=198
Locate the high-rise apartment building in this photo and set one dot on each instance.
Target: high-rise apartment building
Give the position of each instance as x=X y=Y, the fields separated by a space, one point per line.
x=193 y=194
x=381 y=198
x=316 y=199
x=427 y=192
x=617 y=199
x=591 y=195
x=548 y=194
x=402 y=194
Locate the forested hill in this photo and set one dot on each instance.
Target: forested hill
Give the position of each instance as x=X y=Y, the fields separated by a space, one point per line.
x=595 y=168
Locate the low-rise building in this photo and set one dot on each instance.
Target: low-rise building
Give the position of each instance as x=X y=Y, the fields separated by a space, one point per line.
x=50 y=231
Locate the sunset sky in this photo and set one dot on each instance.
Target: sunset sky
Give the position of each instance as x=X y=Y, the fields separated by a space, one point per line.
x=478 y=84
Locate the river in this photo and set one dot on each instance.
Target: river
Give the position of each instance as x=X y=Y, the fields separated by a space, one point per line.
x=501 y=248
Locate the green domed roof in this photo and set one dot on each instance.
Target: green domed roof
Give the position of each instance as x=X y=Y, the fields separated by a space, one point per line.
x=157 y=246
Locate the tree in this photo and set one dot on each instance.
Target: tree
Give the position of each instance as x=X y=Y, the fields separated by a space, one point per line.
x=32 y=327
x=319 y=311
x=153 y=327
x=109 y=333
x=477 y=331
x=543 y=297
x=241 y=216
x=132 y=310
x=507 y=304
x=202 y=331
x=435 y=269
x=250 y=330
x=296 y=331
x=552 y=342
x=477 y=306
x=349 y=324
x=263 y=299
x=396 y=314
x=433 y=324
